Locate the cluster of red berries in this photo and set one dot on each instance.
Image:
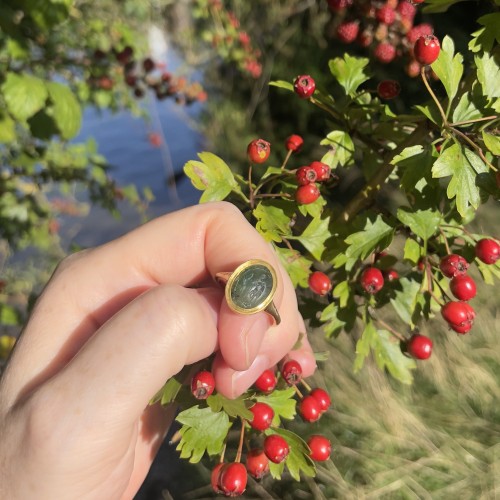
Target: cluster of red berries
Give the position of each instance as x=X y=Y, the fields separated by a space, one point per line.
x=307 y=178
x=230 y=478
x=458 y=313
x=143 y=75
x=231 y=41
x=385 y=26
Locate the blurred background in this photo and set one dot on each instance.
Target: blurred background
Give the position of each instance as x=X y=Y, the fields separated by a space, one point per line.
x=152 y=83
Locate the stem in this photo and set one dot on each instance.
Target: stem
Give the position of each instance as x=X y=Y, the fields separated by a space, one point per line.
x=476 y=120
x=272 y=195
x=287 y=157
x=475 y=146
x=388 y=327
x=434 y=98
x=240 y=444
x=305 y=384
x=298 y=392
x=364 y=197
x=250 y=189
x=430 y=280
x=445 y=241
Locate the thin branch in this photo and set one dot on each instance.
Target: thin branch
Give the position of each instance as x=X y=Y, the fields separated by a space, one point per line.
x=434 y=98
x=445 y=241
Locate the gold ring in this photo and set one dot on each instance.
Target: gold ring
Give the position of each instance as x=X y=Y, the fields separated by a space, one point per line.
x=250 y=288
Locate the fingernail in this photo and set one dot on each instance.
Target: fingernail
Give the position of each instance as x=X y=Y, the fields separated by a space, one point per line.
x=255 y=335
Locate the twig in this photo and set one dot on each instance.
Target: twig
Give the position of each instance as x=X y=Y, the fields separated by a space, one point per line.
x=240 y=444
x=445 y=241
x=434 y=98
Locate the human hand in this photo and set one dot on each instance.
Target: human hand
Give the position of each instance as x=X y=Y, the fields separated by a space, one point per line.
x=113 y=324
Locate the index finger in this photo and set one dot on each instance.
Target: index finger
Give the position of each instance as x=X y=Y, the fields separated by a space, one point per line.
x=186 y=248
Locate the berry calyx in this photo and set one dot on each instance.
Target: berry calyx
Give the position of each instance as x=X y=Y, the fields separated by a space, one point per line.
x=257 y=463
x=458 y=314
x=258 y=151
x=305 y=176
x=323 y=171
x=304 y=86
x=322 y=397
x=320 y=446
x=319 y=283
x=426 y=49
x=291 y=371
x=276 y=448
x=294 y=143
x=463 y=287
x=266 y=382
x=419 y=346
x=202 y=384
x=233 y=479
x=307 y=194
x=372 y=280
x=453 y=265
x=310 y=409
x=388 y=89
x=263 y=416
x=487 y=250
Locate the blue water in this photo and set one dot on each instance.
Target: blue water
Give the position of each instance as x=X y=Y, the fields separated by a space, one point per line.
x=123 y=140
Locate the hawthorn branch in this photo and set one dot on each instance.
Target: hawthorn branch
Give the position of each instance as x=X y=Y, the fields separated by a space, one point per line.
x=364 y=197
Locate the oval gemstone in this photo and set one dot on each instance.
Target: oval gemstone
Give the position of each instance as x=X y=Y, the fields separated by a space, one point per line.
x=252 y=287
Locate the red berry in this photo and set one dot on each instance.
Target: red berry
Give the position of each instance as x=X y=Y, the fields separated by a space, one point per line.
x=294 y=143
x=305 y=176
x=463 y=287
x=391 y=275
x=276 y=448
x=309 y=409
x=257 y=463
x=419 y=346
x=417 y=31
x=453 y=265
x=458 y=313
x=462 y=329
x=258 y=151
x=322 y=170
x=413 y=69
x=148 y=65
x=202 y=385
x=307 y=194
x=320 y=283
x=266 y=381
x=365 y=38
x=385 y=52
x=388 y=89
x=233 y=479
x=426 y=49
x=304 y=86
x=263 y=416
x=320 y=448
x=348 y=31
x=291 y=371
x=386 y=15
x=214 y=480
x=337 y=5
x=406 y=10
x=487 y=250
x=322 y=397
x=372 y=280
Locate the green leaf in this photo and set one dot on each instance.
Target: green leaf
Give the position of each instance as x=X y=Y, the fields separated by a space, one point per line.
x=273 y=219
x=314 y=209
x=342 y=292
x=423 y=223
x=24 y=95
x=67 y=112
x=297 y=266
x=349 y=72
x=484 y=38
x=363 y=346
x=448 y=67
x=488 y=74
x=430 y=111
x=298 y=459
x=314 y=236
x=465 y=109
x=405 y=300
x=168 y=392
x=7 y=129
x=412 y=251
x=462 y=165
x=212 y=176
x=282 y=402
x=333 y=324
x=363 y=243
x=281 y=84
x=492 y=142
x=341 y=148
x=202 y=431
x=9 y=316
x=233 y=407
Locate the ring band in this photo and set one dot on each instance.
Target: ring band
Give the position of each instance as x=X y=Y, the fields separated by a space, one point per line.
x=250 y=288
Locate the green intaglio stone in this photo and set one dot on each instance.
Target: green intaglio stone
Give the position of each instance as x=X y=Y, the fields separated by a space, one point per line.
x=252 y=287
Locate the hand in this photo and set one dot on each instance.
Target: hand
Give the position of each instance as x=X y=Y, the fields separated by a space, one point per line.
x=113 y=324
